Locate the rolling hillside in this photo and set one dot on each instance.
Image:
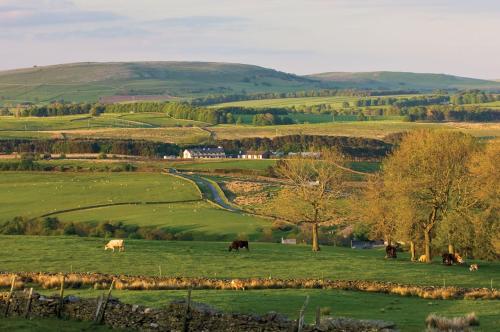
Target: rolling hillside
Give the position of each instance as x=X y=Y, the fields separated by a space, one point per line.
x=402 y=80
x=89 y=81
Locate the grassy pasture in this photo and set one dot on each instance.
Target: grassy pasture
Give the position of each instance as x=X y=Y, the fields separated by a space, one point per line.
x=84 y=121
x=408 y=313
x=34 y=194
x=160 y=120
x=370 y=129
x=211 y=259
x=334 y=101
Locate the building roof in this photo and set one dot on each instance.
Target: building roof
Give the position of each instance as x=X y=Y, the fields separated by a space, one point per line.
x=218 y=150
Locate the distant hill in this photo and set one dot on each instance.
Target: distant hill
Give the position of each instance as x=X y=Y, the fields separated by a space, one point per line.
x=402 y=81
x=89 y=81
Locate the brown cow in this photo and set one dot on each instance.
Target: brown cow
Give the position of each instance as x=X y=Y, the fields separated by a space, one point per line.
x=237 y=244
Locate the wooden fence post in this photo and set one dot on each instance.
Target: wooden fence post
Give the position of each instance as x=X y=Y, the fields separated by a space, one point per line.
x=100 y=317
x=318 y=317
x=185 y=323
x=9 y=297
x=300 y=321
x=28 y=305
x=100 y=299
x=61 y=298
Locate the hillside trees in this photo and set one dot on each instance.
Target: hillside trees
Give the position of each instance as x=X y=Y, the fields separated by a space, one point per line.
x=429 y=171
x=313 y=187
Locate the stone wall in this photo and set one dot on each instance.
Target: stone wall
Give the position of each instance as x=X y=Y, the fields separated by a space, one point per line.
x=171 y=317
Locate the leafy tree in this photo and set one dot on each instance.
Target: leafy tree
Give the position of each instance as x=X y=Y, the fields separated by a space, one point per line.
x=428 y=170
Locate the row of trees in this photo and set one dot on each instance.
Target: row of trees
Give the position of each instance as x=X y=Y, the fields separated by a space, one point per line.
x=403 y=102
x=473 y=97
x=354 y=147
x=436 y=185
x=110 y=146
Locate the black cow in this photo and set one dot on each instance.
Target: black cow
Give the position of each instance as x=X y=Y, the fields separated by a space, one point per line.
x=390 y=252
x=237 y=244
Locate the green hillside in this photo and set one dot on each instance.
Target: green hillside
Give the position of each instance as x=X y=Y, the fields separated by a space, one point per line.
x=402 y=80
x=89 y=81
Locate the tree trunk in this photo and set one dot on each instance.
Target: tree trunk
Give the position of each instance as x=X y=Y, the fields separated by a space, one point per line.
x=427 y=245
x=389 y=240
x=412 y=251
x=315 y=244
x=451 y=248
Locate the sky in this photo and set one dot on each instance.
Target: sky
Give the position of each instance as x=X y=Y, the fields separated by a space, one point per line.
x=460 y=37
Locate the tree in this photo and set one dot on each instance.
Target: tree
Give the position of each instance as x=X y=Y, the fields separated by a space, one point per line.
x=313 y=187
x=427 y=171
x=376 y=208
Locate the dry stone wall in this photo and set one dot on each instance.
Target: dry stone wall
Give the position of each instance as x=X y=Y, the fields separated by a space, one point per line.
x=172 y=317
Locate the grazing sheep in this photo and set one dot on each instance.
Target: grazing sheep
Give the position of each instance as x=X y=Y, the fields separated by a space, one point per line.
x=237 y=284
x=422 y=259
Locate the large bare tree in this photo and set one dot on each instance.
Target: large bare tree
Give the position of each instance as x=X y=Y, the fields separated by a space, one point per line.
x=313 y=186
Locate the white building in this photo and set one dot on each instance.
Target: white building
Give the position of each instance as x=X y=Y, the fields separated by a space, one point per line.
x=204 y=153
x=255 y=155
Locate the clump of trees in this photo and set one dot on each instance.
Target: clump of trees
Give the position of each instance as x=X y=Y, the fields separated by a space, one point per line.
x=473 y=97
x=437 y=185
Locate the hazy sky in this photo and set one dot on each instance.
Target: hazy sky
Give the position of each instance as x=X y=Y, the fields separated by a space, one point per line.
x=301 y=36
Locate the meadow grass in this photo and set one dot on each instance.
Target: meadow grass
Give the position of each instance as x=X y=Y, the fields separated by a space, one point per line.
x=212 y=259
x=334 y=101
x=408 y=313
x=160 y=120
x=369 y=129
x=50 y=324
x=36 y=193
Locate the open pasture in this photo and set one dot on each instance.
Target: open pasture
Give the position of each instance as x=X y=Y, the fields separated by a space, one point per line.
x=212 y=259
x=334 y=101
x=370 y=129
x=84 y=121
x=408 y=313
x=35 y=194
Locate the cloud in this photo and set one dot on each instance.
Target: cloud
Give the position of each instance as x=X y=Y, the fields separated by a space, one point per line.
x=48 y=13
x=197 y=22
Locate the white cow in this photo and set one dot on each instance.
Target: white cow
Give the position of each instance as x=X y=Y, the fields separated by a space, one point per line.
x=115 y=244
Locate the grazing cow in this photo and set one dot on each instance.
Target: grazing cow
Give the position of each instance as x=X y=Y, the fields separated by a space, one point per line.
x=422 y=259
x=115 y=244
x=473 y=267
x=450 y=259
x=237 y=244
x=390 y=252
x=237 y=284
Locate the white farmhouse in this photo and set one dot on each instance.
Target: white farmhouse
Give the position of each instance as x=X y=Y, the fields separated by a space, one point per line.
x=204 y=153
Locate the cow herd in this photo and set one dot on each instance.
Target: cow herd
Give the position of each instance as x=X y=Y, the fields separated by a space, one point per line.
x=391 y=252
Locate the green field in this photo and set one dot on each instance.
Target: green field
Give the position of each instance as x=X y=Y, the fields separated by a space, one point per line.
x=110 y=120
x=35 y=194
x=335 y=101
x=211 y=259
x=370 y=129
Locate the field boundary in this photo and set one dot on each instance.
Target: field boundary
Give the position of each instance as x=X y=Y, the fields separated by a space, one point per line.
x=126 y=282
x=96 y=206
